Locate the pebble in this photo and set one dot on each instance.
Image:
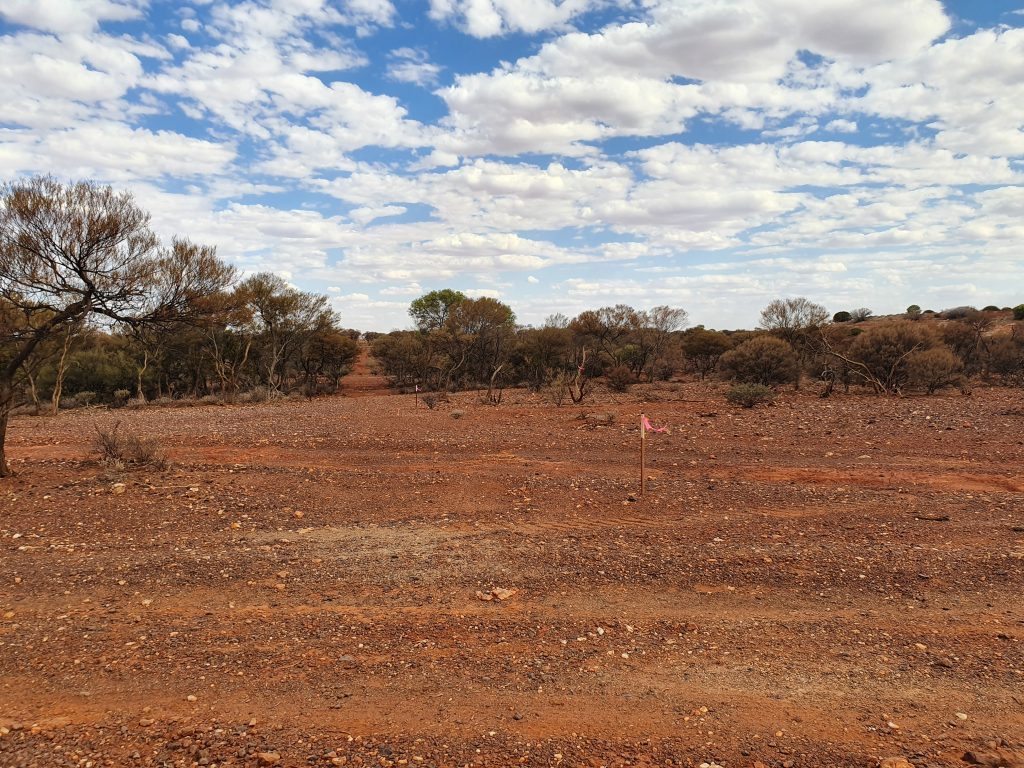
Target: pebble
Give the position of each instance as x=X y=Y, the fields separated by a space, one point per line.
x=268 y=758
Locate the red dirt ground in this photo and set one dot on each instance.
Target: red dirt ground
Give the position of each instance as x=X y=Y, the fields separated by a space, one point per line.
x=820 y=583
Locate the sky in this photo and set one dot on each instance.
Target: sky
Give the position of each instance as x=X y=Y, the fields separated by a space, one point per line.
x=558 y=155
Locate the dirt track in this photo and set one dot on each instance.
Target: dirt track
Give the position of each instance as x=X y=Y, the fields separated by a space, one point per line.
x=826 y=582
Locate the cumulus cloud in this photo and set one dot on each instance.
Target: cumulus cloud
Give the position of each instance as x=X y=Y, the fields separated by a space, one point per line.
x=649 y=76
x=69 y=16
x=411 y=65
x=488 y=18
x=833 y=158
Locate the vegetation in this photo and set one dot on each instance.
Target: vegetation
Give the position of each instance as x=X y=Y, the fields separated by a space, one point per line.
x=118 y=449
x=749 y=395
x=95 y=310
x=92 y=302
x=763 y=360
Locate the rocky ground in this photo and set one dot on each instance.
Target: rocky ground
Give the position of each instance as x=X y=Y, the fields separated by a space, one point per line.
x=820 y=583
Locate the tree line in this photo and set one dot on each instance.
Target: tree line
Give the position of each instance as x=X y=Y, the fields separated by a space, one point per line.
x=461 y=343
x=94 y=308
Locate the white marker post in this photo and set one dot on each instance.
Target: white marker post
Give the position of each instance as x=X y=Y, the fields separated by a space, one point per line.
x=643 y=446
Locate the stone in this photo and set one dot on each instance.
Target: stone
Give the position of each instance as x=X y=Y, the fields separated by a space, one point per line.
x=896 y=762
x=997 y=758
x=268 y=758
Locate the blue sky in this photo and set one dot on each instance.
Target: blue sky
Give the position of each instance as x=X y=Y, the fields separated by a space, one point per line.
x=556 y=154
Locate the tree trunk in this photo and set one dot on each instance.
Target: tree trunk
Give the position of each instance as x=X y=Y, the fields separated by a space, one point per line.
x=6 y=400
x=35 y=393
x=62 y=369
x=141 y=371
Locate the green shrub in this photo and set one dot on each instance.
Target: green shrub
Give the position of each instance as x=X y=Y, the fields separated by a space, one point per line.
x=1018 y=312
x=749 y=395
x=990 y=308
x=763 y=360
x=841 y=317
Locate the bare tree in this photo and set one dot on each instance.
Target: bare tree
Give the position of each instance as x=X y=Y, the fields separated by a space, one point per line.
x=790 y=318
x=69 y=251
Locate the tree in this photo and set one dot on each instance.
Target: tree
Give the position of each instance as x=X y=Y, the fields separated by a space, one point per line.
x=914 y=312
x=431 y=311
x=791 y=318
x=605 y=331
x=651 y=333
x=797 y=321
x=284 y=318
x=763 y=360
x=1018 y=312
x=860 y=314
x=71 y=251
x=326 y=353
x=842 y=317
x=702 y=349
x=478 y=334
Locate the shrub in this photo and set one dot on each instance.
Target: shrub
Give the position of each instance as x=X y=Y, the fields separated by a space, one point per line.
x=457 y=414
x=85 y=399
x=860 y=314
x=1006 y=359
x=958 y=313
x=933 y=369
x=990 y=308
x=557 y=389
x=121 y=397
x=429 y=399
x=842 y=317
x=749 y=395
x=763 y=360
x=120 y=449
x=620 y=379
x=914 y=312
x=879 y=355
x=1018 y=312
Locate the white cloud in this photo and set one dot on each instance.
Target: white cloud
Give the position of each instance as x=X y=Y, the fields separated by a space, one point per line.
x=179 y=42
x=410 y=65
x=842 y=126
x=488 y=18
x=69 y=16
x=624 y=80
x=971 y=90
x=115 y=151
